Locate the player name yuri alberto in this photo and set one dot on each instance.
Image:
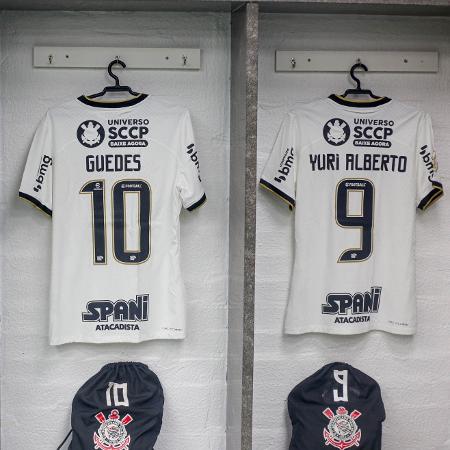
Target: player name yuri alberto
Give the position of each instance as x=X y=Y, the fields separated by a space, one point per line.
x=358 y=161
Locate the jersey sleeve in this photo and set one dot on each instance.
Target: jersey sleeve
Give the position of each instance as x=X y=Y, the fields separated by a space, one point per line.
x=189 y=182
x=36 y=185
x=279 y=174
x=429 y=188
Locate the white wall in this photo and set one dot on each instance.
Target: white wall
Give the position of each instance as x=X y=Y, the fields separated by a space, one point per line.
x=39 y=381
x=413 y=371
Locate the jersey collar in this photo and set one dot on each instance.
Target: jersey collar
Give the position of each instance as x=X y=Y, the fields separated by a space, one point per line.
x=359 y=103
x=112 y=104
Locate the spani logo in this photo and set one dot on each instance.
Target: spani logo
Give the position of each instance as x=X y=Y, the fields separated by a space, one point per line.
x=336 y=131
x=90 y=133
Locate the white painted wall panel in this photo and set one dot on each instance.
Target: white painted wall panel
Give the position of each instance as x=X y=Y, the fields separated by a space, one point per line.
x=412 y=371
x=39 y=381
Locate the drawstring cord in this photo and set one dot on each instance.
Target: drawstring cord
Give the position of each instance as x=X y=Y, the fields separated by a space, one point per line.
x=64 y=441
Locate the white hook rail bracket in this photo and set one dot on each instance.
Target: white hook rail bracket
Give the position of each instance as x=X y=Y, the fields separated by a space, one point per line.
x=341 y=61
x=100 y=57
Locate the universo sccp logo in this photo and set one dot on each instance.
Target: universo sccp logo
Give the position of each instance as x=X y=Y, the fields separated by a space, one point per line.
x=90 y=133
x=336 y=131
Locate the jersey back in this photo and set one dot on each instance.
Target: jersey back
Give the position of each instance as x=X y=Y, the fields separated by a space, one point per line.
x=356 y=174
x=114 y=177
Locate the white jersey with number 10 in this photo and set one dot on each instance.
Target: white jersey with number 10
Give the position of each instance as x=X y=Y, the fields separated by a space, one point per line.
x=114 y=177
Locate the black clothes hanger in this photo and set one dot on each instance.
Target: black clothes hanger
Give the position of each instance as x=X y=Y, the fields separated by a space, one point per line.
x=117 y=87
x=359 y=90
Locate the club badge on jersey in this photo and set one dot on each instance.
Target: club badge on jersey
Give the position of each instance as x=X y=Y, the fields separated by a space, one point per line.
x=355 y=172
x=336 y=407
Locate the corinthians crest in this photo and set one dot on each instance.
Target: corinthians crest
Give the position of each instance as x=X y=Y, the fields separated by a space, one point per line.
x=90 y=133
x=336 y=131
x=112 y=434
x=342 y=432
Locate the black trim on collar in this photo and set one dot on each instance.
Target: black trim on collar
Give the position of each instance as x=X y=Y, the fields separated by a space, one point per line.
x=35 y=202
x=197 y=203
x=117 y=104
x=359 y=104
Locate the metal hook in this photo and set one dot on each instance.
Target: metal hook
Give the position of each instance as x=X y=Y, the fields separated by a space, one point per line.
x=184 y=57
x=110 y=72
x=293 y=62
x=359 y=64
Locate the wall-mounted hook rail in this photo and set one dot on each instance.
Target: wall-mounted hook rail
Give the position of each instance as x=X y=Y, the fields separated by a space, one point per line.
x=341 y=61
x=100 y=57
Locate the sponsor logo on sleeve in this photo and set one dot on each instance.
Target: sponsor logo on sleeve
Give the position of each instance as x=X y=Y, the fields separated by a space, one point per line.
x=285 y=166
x=192 y=153
x=429 y=158
x=44 y=165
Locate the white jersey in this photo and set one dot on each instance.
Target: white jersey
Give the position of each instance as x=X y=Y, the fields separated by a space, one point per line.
x=355 y=173
x=114 y=176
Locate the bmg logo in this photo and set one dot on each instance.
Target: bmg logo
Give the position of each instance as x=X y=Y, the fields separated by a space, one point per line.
x=46 y=162
x=286 y=165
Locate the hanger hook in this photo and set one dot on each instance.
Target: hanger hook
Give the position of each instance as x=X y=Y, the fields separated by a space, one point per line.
x=110 y=72
x=359 y=64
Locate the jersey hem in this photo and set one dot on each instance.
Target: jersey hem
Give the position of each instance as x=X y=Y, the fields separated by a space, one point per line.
x=117 y=340
x=270 y=187
x=197 y=204
x=36 y=202
x=337 y=331
x=435 y=194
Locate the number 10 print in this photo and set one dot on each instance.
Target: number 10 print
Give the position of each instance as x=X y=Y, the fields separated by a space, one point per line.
x=120 y=190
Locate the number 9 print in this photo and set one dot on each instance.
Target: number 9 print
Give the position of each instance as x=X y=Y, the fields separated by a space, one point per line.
x=363 y=220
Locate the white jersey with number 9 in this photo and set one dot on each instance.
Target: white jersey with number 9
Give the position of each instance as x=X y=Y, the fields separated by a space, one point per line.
x=356 y=172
